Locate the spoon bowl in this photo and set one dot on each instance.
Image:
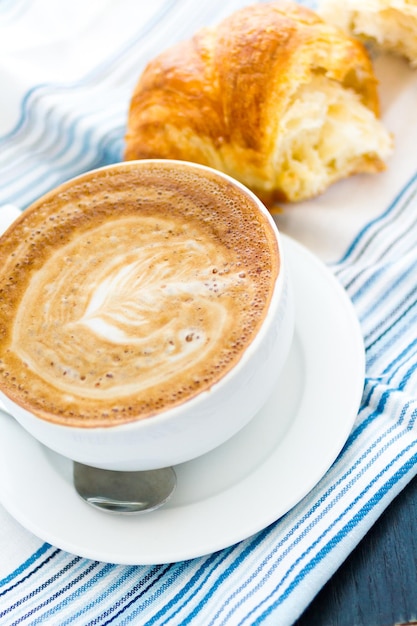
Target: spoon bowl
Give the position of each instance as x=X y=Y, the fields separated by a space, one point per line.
x=124 y=491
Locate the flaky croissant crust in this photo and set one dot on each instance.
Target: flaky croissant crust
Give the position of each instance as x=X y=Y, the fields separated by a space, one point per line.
x=218 y=98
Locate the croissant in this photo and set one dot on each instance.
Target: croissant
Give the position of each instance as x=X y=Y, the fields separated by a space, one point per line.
x=273 y=96
x=390 y=24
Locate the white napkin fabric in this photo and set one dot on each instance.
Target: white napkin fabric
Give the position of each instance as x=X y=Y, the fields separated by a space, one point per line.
x=66 y=76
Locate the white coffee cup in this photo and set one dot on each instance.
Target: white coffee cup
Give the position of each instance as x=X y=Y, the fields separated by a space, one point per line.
x=201 y=423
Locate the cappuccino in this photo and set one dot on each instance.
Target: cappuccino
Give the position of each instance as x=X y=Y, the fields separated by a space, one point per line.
x=129 y=290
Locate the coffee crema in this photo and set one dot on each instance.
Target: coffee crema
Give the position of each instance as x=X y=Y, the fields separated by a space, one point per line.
x=129 y=290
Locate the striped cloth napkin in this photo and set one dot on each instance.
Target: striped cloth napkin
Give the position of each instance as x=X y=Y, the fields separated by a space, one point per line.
x=61 y=114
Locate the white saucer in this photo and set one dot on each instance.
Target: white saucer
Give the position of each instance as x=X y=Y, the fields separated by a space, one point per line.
x=236 y=490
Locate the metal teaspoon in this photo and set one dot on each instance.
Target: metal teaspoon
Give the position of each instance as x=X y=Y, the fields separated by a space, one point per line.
x=124 y=491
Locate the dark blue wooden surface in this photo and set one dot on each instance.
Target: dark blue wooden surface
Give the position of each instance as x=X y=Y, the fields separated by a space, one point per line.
x=377 y=584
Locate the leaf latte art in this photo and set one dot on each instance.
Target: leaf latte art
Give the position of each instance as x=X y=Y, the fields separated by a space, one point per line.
x=119 y=307
x=163 y=315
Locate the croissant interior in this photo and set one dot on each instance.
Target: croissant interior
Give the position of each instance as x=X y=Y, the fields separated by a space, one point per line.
x=391 y=24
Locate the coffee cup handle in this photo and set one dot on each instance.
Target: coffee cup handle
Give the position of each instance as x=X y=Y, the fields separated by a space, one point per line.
x=4 y=410
x=8 y=214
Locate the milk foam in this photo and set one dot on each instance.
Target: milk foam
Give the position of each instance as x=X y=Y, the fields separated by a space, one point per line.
x=131 y=310
x=83 y=301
